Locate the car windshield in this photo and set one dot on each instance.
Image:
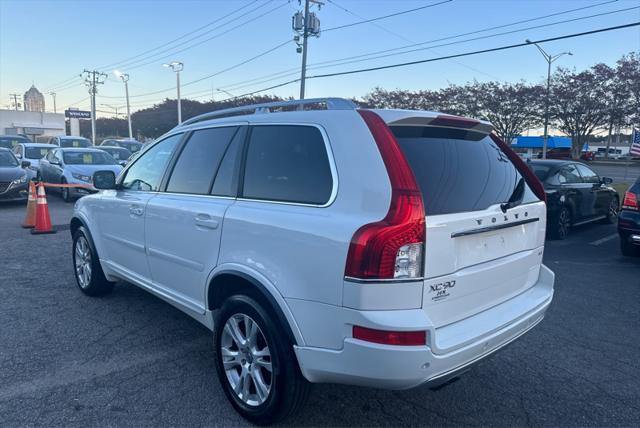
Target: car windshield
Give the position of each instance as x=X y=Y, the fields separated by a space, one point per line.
x=132 y=146
x=11 y=142
x=74 y=142
x=541 y=171
x=118 y=153
x=7 y=159
x=36 y=152
x=88 y=158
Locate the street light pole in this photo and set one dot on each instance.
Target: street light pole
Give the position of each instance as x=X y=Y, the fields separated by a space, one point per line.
x=125 y=78
x=550 y=59
x=53 y=94
x=177 y=67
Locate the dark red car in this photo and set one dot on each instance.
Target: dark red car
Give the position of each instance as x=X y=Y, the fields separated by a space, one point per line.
x=565 y=153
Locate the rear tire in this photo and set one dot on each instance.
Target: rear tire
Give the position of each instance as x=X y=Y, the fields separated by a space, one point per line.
x=88 y=272
x=561 y=224
x=612 y=213
x=258 y=372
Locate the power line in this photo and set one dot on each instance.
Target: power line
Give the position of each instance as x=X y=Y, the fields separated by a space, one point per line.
x=126 y=60
x=137 y=64
x=499 y=48
x=386 y=30
x=415 y=9
x=372 y=56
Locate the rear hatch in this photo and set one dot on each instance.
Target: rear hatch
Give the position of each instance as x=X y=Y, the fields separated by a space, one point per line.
x=479 y=252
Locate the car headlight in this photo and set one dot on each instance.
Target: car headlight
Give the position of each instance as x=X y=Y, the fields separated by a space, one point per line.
x=19 y=181
x=82 y=177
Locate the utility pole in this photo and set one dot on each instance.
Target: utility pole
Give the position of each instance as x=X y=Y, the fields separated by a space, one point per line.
x=92 y=79
x=305 y=24
x=177 y=67
x=15 y=100
x=125 y=78
x=53 y=94
x=550 y=59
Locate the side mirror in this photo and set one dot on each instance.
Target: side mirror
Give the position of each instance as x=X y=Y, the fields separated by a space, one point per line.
x=607 y=180
x=104 y=180
x=25 y=164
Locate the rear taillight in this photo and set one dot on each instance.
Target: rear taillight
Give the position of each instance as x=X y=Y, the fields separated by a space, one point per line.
x=532 y=180
x=398 y=338
x=630 y=201
x=392 y=248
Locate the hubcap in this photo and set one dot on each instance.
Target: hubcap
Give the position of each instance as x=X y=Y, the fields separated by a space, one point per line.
x=82 y=260
x=246 y=359
x=613 y=209
x=563 y=223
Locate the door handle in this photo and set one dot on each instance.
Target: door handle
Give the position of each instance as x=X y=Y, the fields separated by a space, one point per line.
x=135 y=210
x=205 y=220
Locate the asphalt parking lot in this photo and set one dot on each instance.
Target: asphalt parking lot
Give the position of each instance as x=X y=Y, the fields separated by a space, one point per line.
x=130 y=359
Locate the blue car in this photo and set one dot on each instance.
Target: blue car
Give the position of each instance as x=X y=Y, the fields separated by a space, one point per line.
x=76 y=166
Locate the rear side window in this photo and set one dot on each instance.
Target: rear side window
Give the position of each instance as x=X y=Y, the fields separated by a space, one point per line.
x=200 y=158
x=458 y=170
x=287 y=163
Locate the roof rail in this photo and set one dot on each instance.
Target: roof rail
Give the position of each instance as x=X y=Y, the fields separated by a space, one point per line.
x=330 y=103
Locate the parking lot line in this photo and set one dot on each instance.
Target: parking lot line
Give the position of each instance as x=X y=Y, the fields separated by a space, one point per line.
x=605 y=239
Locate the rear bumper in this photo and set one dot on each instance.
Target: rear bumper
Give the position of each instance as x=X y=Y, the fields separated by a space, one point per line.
x=394 y=367
x=629 y=226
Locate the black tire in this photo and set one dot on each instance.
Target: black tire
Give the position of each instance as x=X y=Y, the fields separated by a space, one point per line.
x=628 y=249
x=94 y=283
x=288 y=388
x=561 y=224
x=65 y=192
x=613 y=211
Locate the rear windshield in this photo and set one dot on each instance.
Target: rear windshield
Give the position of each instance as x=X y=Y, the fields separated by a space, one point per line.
x=458 y=170
x=541 y=171
x=74 y=142
x=11 y=142
x=88 y=158
x=36 y=152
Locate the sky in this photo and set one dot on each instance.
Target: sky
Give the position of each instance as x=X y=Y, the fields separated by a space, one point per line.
x=49 y=43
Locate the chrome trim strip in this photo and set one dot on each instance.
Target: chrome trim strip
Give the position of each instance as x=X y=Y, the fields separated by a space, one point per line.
x=386 y=281
x=495 y=227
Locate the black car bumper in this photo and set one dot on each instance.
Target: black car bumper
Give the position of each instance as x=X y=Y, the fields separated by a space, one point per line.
x=629 y=226
x=15 y=193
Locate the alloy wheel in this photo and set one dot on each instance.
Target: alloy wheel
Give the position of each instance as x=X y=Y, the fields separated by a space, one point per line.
x=246 y=359
x=613 y=209
x=82 y=261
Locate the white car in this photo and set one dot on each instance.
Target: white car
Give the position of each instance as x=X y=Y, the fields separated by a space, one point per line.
x=33 y=153
x=381 y=248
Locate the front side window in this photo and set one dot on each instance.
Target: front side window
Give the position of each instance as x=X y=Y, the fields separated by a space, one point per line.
x=569 y=175
x=146 y=173
x=588 y=176
x=289 y=164
x=199 y=161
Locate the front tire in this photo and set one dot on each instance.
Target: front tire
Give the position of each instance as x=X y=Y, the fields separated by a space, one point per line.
x=255 y=362
x=65 y=192
x=88 y=272
x=562 y=224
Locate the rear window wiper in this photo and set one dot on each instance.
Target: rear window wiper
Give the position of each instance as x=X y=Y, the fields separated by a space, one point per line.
x=516 y=197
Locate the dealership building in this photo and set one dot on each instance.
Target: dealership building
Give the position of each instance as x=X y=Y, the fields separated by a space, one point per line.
x=31 y=123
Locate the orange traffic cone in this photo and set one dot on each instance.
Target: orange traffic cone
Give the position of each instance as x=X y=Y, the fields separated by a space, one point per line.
x=30 y=218
x=43 y=221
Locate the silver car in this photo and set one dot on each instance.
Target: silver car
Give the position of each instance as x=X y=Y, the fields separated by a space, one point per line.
x=75 y=166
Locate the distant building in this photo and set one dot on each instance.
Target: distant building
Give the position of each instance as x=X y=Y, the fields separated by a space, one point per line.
x=33 y=100
x=36 y=125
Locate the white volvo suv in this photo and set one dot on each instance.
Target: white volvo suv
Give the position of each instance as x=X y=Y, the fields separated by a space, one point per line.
x=325 y=243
